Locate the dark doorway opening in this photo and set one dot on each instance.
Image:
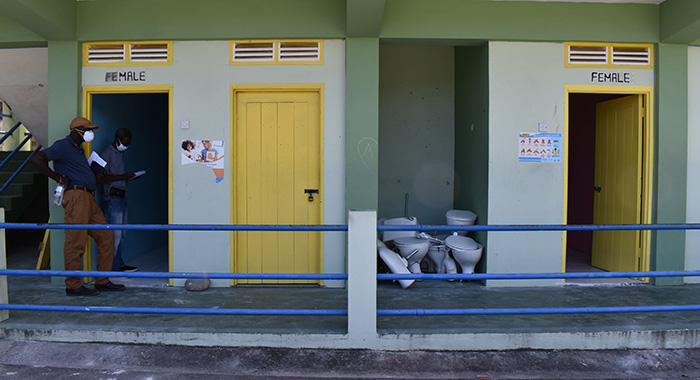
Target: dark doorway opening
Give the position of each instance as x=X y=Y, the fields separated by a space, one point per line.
x=147 y=116
x=582 y=139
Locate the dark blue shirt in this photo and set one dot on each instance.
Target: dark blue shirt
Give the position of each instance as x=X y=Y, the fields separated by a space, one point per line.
x=69 y=160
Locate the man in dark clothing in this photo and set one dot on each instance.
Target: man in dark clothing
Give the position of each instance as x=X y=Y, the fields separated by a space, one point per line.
x=115 y=191
x=71 y=170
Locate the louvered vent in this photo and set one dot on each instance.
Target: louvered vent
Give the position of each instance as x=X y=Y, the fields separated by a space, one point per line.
x=588 y=55
x=300 y=51
x=148 y=52
x=253 y=52
x=631 y=56
x=106 y=53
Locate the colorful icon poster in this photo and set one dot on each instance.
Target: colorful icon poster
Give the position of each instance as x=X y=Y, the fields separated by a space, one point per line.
x=539 y=147
x=205 y=152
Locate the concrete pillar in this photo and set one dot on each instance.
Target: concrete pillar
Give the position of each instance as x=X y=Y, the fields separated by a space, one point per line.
x=362 y=275
x=362 y=123
x=4 y=298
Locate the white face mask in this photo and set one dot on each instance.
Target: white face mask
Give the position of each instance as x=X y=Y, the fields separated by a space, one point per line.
x=88 y=136
x=121 y=147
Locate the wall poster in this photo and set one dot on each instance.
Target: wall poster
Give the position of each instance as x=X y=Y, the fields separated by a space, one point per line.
x=205 y=152
x=539 y=147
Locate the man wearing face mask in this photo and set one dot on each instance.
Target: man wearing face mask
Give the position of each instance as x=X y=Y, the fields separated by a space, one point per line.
x=71 y=170
x=115 y=186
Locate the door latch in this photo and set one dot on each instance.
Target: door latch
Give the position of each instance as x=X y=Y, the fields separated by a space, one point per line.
x=597 y=188
x=311 y=193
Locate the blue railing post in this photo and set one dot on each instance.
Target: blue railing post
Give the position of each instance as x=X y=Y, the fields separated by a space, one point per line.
x=362 y=275
x=4 y=297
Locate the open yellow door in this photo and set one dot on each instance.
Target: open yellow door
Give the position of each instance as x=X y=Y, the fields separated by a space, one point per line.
x=618 y=183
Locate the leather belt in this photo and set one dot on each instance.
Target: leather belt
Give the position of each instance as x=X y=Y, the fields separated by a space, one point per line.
x=80 y=187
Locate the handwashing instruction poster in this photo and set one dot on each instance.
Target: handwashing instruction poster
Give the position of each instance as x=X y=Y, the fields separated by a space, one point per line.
x=539 y=147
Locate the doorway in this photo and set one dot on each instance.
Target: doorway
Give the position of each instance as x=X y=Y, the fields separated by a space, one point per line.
x=608 y=179
x=277 y=137
x=147 y=114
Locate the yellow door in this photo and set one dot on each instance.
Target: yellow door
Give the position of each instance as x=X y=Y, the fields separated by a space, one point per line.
x=277 y=181
x=618 y=183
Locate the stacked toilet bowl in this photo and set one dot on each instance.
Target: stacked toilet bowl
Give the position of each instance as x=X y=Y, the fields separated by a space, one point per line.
x=465 y=250
x=439 y=256
x=443 y=251
x=411 y=249
x=460 y=218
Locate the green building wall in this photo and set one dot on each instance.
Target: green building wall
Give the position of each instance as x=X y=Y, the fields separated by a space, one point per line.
x=63 y=25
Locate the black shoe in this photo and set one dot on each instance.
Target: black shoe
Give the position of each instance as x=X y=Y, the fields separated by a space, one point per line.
x=127 y=268
x=82 y=291
x=110 y=287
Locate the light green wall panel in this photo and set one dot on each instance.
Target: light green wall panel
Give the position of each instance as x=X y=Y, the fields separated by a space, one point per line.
x=671 y=157
x=64 y=98
x=361 y=123
x=526 y=87
x=416 y=130
x=692 y=237
x=202 y=96
x=537 y=21
x=210 y=19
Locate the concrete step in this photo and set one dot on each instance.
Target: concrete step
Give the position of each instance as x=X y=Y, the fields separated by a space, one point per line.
x=25 y=176
x=6 y=201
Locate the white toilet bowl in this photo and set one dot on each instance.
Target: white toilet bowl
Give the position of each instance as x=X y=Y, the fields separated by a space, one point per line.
x=413 y=250
x=465 y=251
x=437 y=253
x=402 y=221
x=396 y=264
x=460 y=218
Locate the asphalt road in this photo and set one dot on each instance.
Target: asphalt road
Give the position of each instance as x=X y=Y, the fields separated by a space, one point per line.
x=49 y=360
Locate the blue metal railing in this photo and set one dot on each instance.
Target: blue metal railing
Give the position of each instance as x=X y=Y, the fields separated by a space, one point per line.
x=380 y=312
x=12 y=154
x=542 y=227
x=211 y=276
x=19 y=170
x=10 y=132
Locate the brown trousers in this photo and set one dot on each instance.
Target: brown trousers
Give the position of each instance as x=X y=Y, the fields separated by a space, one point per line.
x=81 y=208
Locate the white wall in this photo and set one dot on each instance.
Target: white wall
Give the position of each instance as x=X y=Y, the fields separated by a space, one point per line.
x=201 y=77
x=692 y=237
x=24 y=76
x=527 y=86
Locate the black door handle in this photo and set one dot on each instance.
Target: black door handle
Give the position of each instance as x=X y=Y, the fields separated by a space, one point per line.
x=311 y=193
x=597 y=188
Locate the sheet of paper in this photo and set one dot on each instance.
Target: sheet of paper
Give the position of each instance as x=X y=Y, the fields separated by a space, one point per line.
x=138 y=174
x=94 y=157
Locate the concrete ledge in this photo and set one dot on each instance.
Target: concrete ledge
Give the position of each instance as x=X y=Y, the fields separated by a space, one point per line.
x=66 y=360
x=603 y=340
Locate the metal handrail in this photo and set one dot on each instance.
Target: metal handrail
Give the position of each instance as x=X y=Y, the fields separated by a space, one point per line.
x=344 y=227
x=12 y=154
x=9 y=133
x=19 y=170
x=175 y=227
x=380 y=312
x=185 y=275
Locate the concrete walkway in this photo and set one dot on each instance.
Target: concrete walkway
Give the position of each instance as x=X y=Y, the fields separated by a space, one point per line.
x=665 y=330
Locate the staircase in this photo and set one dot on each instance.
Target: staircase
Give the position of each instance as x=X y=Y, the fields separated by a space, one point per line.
x=26 y=199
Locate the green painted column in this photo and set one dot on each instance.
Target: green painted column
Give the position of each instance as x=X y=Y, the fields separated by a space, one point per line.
x=64 y=105
x=668 y=247
x=362 y=123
